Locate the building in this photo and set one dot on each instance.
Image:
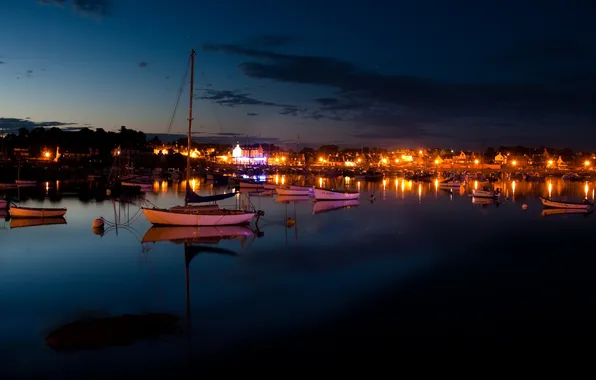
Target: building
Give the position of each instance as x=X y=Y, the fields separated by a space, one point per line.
x=249 y=155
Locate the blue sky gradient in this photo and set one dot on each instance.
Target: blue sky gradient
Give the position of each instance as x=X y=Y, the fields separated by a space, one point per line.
x=452 y=73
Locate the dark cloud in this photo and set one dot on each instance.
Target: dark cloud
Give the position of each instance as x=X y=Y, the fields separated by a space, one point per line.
x=94 y=8
x=142 y=64
x=29 y=73
x=231 y=98
x=399 y=104
x=2 y=62
x=12 y=125
x=218 y=138
x=252 y=114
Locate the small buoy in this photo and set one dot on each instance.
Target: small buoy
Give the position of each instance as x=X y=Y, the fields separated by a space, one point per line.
x=290 y=222
x=524 y=207
x=97 y=223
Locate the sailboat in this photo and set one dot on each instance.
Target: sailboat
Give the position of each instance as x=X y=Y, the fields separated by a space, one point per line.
x=196 y=215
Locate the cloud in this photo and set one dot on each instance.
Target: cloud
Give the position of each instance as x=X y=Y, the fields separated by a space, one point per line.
x=252 y=114
x=93 y=8
x=232 y=98
x=142 y=64
x=2 y=62
x=12 y=125
x=398 y=105
x=29 y=73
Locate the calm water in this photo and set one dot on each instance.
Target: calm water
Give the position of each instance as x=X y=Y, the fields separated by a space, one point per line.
x=416 y=263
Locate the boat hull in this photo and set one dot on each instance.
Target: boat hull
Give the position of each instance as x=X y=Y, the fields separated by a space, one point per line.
x=289 y=191
x=183 y=234
x=484 y=194
x=22 y=183
x=145 y=187
x=329 y=195
x=573 y=206
x=197 y=218
x=28 y=212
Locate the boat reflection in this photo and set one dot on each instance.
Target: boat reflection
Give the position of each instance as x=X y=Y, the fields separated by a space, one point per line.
x=323 y=206
x=33 y=222
x=203 y=234
x=483 y=201
x=193 y=240
x=292 y=198
x=565 y=211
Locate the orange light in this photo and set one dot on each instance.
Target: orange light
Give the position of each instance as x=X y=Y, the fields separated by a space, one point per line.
x=476 y=162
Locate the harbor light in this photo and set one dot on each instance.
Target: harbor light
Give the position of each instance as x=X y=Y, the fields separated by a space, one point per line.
x=437 y=162
x=550 y=162
x=46 y=154
x=476 y=162
x=514 y=163
x=587 y=163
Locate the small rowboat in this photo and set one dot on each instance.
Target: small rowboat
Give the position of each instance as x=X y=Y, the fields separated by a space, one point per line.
x=570 y=205
x=31 y=212
x=335 y=195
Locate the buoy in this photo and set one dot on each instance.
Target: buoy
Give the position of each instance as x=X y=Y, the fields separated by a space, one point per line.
x=97 y=223
x=108 y=192
x=290 y=222
x=524 y=207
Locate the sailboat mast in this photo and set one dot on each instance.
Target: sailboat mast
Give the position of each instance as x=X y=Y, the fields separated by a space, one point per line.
x=192 y=80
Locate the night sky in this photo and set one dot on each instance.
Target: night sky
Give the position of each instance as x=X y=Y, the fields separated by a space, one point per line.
x=453 y=73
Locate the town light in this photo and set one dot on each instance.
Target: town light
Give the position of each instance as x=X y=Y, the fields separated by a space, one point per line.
x=437 y=162
x=47 y=154
x=587 y=163
x=514 y=163
x=476 y=162
x=550 y=162
x=320 y=159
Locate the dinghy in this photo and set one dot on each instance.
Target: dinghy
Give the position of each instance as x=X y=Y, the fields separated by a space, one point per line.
x=335 y=195
x=570 y=205
x=33 y=212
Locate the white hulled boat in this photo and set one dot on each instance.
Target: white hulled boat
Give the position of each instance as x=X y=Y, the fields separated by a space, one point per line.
x=335 y=195
x=196 y=216
x=294 y=190
x=486 y=193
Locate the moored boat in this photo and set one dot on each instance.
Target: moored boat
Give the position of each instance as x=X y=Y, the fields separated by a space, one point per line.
x=197 y=216
x=294 y=190
x=36 y=212
x=333 y=194
x=567 y=205
x=24 y=183
x=486 y=193
x=291 y=198
x=450 y=183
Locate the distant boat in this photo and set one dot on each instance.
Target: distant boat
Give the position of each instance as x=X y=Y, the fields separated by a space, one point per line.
x=34 y=222
x=486 y=193
x=567 y=205
x=294 y=190
x=32 y=212
x=319 y=207
x=449 y=183
x=483 y=201
x=332 y=194
x=8 y=186
x=23 y=183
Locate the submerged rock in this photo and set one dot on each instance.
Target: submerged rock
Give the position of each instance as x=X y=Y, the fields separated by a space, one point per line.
x=113 y=331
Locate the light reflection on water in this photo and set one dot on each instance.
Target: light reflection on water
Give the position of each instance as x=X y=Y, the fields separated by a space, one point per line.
x=292 y=276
